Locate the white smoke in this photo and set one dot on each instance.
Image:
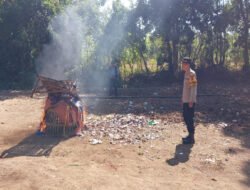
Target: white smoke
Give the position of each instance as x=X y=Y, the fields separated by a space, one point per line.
x=65 y=50
x=69 y=43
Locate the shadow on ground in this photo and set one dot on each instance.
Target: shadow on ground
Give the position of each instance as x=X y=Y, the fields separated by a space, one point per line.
x=234 y=110
x=246 y=170
x=33 y=146
x=10 y=94
x=230 y=113
x=182 y=152
x=243 y=134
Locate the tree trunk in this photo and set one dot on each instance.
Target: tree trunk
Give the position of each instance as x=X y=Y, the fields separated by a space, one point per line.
x=170 y=57
x=217 y=49
x=245 y=53
x=223 y=49
x=220 y=49
x=144 y=61
x=216 y=34
x=131 y=67
x=244 y=14
x=175 y=57
x=210 y=57
x=197 y=50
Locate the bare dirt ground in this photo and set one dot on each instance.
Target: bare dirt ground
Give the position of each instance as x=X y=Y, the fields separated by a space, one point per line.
x=220 y=158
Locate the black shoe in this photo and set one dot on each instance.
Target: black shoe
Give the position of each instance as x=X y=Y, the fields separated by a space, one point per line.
x=189 y=139
x=185 y=138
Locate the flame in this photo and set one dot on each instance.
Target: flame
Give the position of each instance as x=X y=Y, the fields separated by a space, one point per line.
x=84 y=114
x=43 y=122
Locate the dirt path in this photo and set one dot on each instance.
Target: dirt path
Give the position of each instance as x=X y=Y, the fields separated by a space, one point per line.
x=220 y=159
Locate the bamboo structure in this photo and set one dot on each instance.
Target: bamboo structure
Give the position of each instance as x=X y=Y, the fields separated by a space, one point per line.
x=63 y=110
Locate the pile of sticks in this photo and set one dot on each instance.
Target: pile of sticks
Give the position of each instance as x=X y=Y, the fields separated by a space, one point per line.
x=52 y=86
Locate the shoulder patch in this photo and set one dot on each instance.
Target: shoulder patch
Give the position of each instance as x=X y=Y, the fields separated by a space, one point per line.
x=192 y=80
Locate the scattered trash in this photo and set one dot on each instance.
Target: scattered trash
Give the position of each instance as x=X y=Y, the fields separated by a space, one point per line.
x=109 y=116
x=140 y=153
x=145 y=103
x=74 y=165
x=152 y=137
x=123 y=129
x=117 y=137
x=153 y=122
x=112 y=166
x=211 y=160
x=235 y=121
x=131 y=103
x=223 y=125
x=155 y=93
x=80 y=134
x=95 y=141
x=181 y=153
x=149 y=158
x=197 y=168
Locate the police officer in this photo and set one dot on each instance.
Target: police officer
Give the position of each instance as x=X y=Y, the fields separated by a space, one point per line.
x=189 y=99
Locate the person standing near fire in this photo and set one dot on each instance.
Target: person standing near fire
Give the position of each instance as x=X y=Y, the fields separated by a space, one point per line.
x=189 y=99
x=114 y=77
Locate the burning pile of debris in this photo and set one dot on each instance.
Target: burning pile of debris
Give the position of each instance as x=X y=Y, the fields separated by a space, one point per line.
x=120 y=129
x=63 y=113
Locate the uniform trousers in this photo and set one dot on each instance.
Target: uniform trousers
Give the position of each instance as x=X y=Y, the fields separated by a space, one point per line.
x=188 y=115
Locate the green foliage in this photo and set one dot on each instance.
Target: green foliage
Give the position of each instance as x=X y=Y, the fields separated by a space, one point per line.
x=152 y=36
x=21 y=39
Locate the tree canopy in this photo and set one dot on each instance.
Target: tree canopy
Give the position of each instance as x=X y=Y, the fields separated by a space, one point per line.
x=149 y=36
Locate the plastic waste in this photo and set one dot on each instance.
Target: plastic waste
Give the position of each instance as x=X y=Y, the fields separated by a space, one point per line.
x=95 y=141
x=153 y=122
